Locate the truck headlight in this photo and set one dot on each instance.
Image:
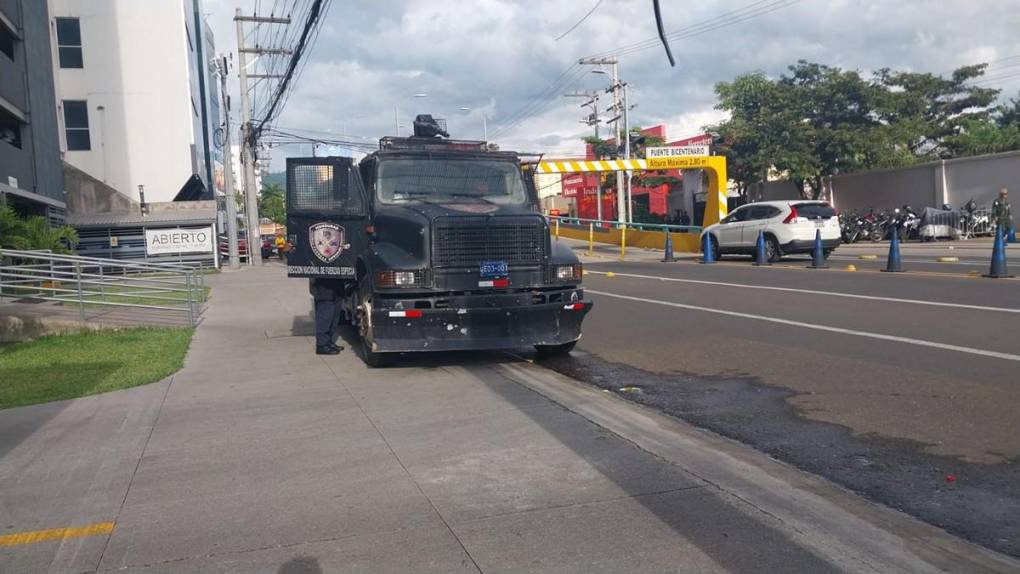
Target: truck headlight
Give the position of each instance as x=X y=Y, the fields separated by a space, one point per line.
x=391 y=278
x=568 y=272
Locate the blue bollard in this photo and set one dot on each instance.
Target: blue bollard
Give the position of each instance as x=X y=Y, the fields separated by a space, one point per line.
x=998 y=269
x=893 y=264
x=818 y=255
x=706 y=249
x=760 y=256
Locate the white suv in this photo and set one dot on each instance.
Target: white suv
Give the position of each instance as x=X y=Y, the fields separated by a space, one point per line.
x=789 y=228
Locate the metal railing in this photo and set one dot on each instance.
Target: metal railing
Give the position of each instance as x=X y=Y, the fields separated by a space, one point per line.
x=92 y=283
x=598 y=224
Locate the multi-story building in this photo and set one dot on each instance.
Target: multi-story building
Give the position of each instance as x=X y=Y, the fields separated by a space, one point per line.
x=31 y=176
x=137 y=103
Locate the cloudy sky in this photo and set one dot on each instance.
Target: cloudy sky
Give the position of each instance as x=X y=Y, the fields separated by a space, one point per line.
x=497 y=57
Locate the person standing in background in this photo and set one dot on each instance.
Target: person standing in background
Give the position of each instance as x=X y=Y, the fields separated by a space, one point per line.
x=1002 y=215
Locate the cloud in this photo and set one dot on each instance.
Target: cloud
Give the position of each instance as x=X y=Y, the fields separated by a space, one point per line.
x=496 y=56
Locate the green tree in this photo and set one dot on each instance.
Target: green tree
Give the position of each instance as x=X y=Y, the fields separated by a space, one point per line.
x=1008 y=114
x=928 y=108
x=271 y=203
x=765 y=131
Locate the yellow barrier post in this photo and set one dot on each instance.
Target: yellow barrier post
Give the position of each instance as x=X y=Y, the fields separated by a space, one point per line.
x=557 y=229
x=591 y=238
x=623 y=241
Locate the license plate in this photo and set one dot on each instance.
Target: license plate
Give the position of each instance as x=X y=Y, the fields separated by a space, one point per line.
x=819 y=223
x=493 y=269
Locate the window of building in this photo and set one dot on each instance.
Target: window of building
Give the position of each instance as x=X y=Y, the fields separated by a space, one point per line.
x=7 y=39
x=10 y=129
x=69 y=43
x=76 y=125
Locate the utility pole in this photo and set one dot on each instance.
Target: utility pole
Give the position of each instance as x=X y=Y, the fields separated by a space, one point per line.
x=613 y=89
x=592 y=120
x=228 y=169
x=247 y=143
x=626 y=154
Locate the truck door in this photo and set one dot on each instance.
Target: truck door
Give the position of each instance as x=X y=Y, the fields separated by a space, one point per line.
x=326 y=216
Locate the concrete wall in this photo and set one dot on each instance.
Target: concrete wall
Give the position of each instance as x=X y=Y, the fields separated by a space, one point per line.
x=27 y=85
x=87 y=195
x=914 y=186
x=137 y=78
x=981 y=178
x=930 y=185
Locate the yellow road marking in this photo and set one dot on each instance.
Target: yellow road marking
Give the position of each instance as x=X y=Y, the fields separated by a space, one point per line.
x=56 y=534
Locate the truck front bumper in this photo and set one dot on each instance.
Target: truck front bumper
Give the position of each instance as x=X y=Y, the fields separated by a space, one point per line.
x=477 y=328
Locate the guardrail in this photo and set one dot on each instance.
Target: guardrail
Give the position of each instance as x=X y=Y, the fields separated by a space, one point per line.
x=606 y=224
x=96 y=283
x=648 y=235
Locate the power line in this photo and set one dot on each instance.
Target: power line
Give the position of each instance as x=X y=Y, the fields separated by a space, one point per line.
x=295 y=58
x=752 y=10
x=579 y=22
x=540 y=101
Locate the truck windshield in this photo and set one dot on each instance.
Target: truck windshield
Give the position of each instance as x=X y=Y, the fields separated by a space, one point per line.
x=450 y=181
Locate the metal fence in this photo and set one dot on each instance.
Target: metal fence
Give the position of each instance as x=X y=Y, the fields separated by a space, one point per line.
x=606 y=224
x=94 y=286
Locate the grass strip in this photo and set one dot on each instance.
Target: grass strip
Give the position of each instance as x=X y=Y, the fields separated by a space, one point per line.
x=61 y=367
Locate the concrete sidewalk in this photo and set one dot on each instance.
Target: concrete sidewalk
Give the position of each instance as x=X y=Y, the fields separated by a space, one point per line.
x=261 y=457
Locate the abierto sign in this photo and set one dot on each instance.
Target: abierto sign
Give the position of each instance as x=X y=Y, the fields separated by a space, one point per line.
x=176 y=240
x=676 y=151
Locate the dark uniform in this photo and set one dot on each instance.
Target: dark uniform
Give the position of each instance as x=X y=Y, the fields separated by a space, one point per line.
x=1002 y=214
x=328 y=295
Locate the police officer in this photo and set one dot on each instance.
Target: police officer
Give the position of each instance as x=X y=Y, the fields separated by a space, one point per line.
x=1002 y=213
x=328 y=295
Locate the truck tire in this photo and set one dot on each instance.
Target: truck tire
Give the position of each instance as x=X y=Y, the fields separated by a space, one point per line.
x=371 y=358
x=554 y=350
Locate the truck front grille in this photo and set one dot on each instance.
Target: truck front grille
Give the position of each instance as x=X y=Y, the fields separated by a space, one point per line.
x=465 y=242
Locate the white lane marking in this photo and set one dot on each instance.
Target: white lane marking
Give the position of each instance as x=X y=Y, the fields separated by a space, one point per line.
x=814 y=292
x=840 y=330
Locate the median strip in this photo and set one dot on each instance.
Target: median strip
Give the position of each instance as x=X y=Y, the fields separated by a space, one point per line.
x=32 y=537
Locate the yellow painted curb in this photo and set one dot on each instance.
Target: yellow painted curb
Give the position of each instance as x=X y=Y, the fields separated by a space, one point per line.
x=56 y=534
x=851 y=267
x=947 y=259
x=610 y=274
x=867 y=257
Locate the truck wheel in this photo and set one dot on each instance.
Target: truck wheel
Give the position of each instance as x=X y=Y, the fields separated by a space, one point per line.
x=372 y=359
x=554 y=350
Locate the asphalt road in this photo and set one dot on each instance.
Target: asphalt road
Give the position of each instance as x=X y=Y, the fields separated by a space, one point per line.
x=899 y=386
x=259 y=456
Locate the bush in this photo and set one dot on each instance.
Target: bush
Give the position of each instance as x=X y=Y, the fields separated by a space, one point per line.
x=34 y=233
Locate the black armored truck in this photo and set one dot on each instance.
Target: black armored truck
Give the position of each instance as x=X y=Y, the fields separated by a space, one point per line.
x=439 y=245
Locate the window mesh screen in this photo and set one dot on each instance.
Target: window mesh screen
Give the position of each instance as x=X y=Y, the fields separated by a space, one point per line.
x=323 y=187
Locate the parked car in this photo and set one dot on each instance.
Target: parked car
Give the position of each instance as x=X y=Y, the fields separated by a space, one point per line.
x=242 y=246
x=789 y=228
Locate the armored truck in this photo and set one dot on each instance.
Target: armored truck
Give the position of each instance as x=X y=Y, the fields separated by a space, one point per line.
x=439 y=245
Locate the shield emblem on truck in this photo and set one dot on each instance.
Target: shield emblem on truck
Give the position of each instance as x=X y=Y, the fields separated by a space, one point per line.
x=327 y=241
